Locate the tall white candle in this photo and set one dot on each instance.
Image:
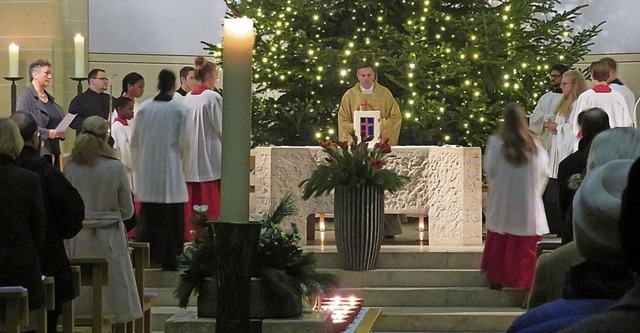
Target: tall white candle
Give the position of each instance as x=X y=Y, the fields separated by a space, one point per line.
x=14 y=56
x=236 y=119
x=78 y=43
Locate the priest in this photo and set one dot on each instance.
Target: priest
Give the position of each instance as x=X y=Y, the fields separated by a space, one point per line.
x=369 y=95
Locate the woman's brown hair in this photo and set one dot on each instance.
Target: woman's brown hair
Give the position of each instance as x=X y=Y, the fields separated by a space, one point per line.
x=519 y=141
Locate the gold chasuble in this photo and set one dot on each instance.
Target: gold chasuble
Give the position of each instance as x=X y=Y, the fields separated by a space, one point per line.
x=381 y=100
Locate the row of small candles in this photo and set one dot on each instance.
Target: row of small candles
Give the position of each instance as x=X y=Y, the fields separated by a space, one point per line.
x=78 y=43
x=343 y=310
x=323 y=227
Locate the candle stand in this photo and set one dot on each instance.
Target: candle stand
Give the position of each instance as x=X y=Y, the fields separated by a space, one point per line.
x=13 y=80
x=79 y=80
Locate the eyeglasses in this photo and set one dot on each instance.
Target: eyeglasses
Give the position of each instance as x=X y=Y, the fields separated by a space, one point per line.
x=562 y=84
x=102 y=78
x=555 y=76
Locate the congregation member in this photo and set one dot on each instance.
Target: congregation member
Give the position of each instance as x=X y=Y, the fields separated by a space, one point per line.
x=552 y=266
x=64 y=213
x=37 y=101
x=187 y=82
x=595 y=284
x=22 y=223
x=547 y=104
x=588 y=272
x=592 y=122
x=516 y=167
x=367 y=95
x=159 y=151
x=103 y=184
x=623 y=316
x=93 y=102
x=617 y=85
x=563 y=141
x=602 y=96
x=205 y=122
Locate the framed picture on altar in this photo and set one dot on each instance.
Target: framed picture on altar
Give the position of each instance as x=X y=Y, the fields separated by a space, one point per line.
x=367 y=122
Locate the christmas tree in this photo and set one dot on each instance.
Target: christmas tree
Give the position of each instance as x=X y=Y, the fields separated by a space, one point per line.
x=452 y=65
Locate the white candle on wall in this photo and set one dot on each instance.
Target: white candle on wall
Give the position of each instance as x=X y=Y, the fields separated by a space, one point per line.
x=14 y=56
x=78 y=43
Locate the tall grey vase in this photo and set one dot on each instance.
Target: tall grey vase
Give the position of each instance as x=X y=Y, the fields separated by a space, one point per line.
x=358 y=213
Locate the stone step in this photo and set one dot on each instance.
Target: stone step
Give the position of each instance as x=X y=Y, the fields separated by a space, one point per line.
x=411 y=278
x=409 y=319
x=433 y=296
x=397 y=296
x=378 y=278
x=402 y=258
x=165 y=297
x=159 y=314
x=395 y=258
x=446 y=319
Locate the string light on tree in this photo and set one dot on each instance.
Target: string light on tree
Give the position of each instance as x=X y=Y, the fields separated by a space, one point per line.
x=299 y=49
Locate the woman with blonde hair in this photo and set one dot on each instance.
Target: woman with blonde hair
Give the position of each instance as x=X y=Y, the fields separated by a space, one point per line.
x=205 y=121
x=563 y=142
x=103 y=184
x=516 y=167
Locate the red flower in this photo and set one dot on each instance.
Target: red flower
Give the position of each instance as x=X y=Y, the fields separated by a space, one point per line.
x=325 y=144
x=377 y=164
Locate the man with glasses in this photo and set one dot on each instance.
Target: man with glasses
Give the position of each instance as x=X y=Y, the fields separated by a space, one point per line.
x=93 y=102
x=547 y=104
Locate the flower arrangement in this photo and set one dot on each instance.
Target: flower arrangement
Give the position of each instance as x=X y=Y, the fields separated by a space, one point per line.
x=287 y=273
x=352 y=164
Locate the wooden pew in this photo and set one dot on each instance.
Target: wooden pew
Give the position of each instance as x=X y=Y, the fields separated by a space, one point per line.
x=547 y=245
x=40 y=315
x=67 y=318
x=140 y=260
x=94 y=272
x=14 y=308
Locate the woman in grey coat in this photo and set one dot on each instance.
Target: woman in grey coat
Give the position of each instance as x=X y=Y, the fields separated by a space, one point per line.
x=37 y=101
x=104 y=186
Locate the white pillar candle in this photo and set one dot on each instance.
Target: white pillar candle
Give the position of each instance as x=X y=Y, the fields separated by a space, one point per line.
x=78 y=43
x=14 y=56
x=236 y=119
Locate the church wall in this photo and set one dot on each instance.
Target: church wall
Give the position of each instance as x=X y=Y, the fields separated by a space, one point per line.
x=45 y=29
x=35 y=26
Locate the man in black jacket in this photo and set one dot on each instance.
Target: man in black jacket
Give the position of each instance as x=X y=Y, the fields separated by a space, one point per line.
x=64 y=213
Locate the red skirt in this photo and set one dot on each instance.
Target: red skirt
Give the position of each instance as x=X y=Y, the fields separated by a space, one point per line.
x=510 y=260
x=204 y=193
x=136 y=206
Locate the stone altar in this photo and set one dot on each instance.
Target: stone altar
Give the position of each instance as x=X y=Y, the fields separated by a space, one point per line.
x=446 y=185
